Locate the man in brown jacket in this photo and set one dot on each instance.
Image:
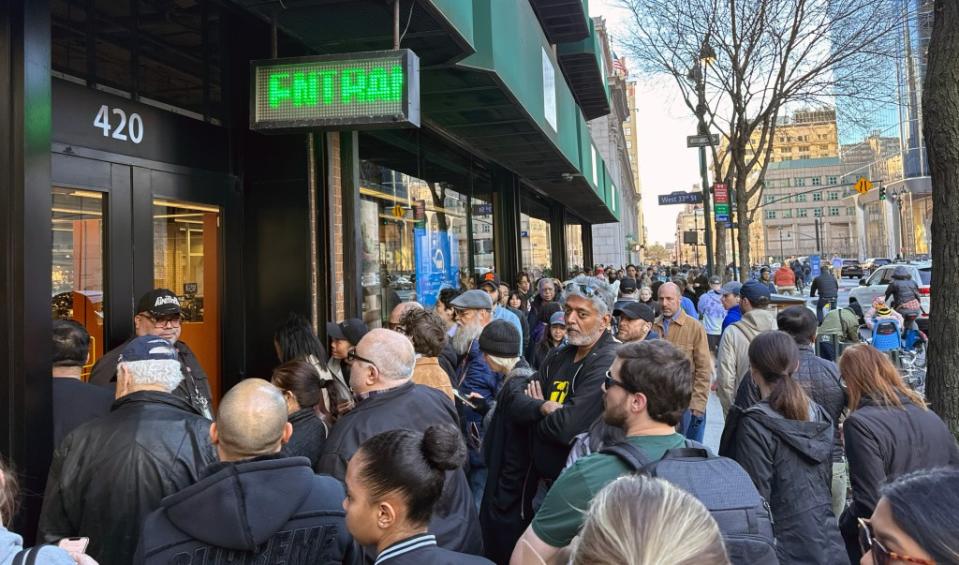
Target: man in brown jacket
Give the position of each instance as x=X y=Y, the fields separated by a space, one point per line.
x=686 y=333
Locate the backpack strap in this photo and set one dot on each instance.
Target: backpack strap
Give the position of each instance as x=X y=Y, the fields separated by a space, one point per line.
x=632 y=456
x=27 y=556
x=687 y=453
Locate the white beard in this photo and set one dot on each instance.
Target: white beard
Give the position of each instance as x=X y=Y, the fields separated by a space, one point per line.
x=464 y=336
x=579 y=339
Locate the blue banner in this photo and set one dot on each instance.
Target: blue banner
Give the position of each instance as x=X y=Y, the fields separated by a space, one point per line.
x=437 y=264
x=815 y=265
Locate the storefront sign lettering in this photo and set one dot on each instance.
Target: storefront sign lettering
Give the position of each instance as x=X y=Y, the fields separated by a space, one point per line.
x=347 y=91
x=127 y=129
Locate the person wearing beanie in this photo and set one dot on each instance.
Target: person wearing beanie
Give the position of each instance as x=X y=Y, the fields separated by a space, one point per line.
x=505 y=511
x=880 y=312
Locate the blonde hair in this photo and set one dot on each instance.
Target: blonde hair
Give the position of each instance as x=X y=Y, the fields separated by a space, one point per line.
x=647 y=521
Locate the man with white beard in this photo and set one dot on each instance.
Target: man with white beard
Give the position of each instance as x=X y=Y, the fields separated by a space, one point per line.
x=475 y=381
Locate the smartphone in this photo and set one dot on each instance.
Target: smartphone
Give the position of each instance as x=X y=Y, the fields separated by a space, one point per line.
x=463 y=399
x=74 y=545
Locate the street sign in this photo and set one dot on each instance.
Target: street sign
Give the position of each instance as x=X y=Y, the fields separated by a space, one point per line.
x=680 y=197
x=691 y=237
x=348 y=90
x=863 y=185
x=702 y=140
x=815 y=265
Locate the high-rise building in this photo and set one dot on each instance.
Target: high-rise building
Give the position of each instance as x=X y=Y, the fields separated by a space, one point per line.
x=631 y=130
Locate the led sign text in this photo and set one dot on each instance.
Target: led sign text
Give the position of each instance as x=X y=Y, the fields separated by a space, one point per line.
x=348 y=91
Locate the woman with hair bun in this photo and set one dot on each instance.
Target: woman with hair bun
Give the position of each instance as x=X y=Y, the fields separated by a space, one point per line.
x=392 y=483
x=785 y=444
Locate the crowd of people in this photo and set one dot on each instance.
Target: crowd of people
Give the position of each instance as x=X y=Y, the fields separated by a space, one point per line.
x=543 y=422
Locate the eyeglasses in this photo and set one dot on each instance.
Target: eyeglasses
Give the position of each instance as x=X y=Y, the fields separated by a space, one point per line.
x=609 y=382
x=583 y=289
x=173 y=321
x=352 y=356
x=881 y=555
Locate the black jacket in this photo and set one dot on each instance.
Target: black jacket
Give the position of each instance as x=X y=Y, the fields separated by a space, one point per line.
x=506 y=509
x=111 y=472
x=409 y=407
x=819 y=378
x=449 y=360
x=790 y=463
x=901 y=291
x=826 y=285
x=553 y=434
x=524 y=324
x=884 y=442
x=309 y=435
x=194 y=388
x=76 y=402
x=268 y=510
x=422 y=550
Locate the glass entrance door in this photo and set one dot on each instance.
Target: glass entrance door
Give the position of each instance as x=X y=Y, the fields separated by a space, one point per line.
x=78 y=260
x=186 y=259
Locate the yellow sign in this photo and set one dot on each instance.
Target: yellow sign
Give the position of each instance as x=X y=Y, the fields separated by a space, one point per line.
x=398 y=211
x=863 y=185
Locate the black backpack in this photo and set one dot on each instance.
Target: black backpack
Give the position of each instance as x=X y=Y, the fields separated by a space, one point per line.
x=723 y=487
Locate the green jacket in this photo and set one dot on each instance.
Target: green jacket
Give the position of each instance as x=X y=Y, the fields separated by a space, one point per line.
x=842 y=322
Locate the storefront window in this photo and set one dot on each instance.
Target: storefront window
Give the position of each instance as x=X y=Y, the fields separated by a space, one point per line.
x=574 y=247
x=77 y=268
x=484 y=258
x=535 y=243
x=414 y=240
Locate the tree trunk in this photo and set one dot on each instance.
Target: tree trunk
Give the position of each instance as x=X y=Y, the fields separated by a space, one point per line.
x=940 y=104
x=720 y=258
x=742 y=213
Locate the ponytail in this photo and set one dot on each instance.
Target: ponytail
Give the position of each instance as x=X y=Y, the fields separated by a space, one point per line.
x=775 y=356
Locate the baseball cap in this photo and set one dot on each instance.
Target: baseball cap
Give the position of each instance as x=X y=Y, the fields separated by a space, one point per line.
x=715 y=280
x=489 y=278
x=473 y=300
x=557 y=319
x=147 y=348
x=754 y=290
x=627 y=284
x=351 y=330
x=732 y=287
x=634 y=310
x=159 y=302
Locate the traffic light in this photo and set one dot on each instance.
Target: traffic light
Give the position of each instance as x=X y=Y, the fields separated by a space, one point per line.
x=882 y=193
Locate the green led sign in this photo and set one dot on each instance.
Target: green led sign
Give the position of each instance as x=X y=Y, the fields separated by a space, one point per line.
x=371 y=89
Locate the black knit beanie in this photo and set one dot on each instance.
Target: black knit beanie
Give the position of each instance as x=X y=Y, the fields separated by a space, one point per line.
x=500 y=339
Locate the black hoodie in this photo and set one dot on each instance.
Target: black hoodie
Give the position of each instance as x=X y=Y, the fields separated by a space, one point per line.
x=790 y=462
x=267 y=510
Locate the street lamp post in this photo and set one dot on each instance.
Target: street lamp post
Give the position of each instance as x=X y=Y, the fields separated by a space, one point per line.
x=782 y=253
x=706 y=56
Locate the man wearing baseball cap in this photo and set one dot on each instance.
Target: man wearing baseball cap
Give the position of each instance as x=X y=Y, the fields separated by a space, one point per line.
x=490 y=283
x=159 y=314
x=711 y=312
x=730 y=292
x=635 y=322
x=734 y=346
x=111 y=472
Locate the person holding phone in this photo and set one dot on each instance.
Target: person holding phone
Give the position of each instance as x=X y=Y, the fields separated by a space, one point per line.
x=70 y=552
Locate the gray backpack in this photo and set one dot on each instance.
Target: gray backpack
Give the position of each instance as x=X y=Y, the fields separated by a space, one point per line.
x=723 y=487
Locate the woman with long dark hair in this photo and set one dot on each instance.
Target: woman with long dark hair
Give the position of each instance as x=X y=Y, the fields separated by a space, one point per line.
x=303 y=392
x=553 y=337
x=392 y=484
x=295 y=339
x=889 y=432
x=539 y=330
x=785 y=444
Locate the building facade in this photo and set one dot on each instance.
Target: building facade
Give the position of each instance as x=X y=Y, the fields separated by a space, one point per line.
x=690 y=247
x=616 y=243
x=134 y=164
x=631 y=131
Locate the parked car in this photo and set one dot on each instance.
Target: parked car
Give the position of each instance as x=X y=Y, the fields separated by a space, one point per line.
x=870 y=265
x=875 y=285
x=851 y=268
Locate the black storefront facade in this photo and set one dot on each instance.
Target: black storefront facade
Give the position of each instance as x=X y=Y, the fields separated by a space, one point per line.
x=129 y=163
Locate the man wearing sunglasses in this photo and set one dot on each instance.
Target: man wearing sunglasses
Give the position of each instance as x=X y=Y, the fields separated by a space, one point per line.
x=644 y=392
x=565 y=396
x=159 y=314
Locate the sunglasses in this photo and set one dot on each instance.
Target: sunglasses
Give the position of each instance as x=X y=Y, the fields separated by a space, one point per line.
x=583 y=289
x=881 y=555
x=609 y=383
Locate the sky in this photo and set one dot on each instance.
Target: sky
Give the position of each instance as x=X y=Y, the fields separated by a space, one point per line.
x=665 y=164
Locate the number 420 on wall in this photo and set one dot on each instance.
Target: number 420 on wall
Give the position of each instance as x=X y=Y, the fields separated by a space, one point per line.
x=126 y=130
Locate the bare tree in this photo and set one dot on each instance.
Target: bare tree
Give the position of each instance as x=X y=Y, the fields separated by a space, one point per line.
x=940 y=105
x=740 y=65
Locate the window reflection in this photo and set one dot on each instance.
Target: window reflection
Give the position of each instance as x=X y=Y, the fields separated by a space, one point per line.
x=574 y=247
x=77 y=266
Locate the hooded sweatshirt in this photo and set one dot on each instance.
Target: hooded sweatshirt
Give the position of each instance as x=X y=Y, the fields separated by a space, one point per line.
x=790 y=462
x=11 y=544
x=271 y=509
x=733 y=353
